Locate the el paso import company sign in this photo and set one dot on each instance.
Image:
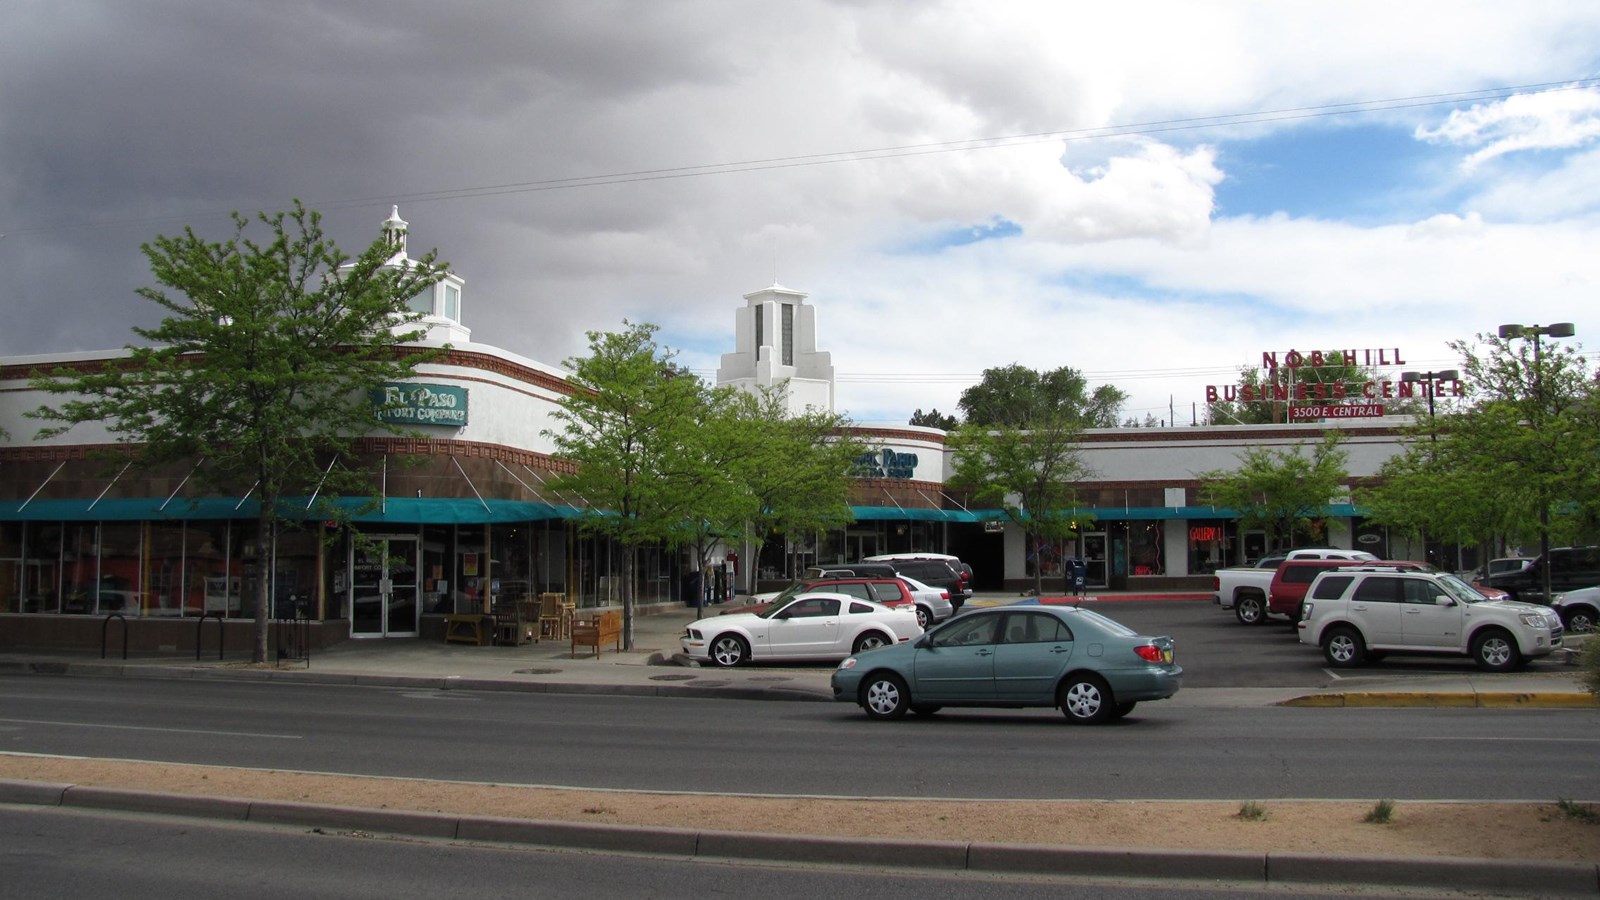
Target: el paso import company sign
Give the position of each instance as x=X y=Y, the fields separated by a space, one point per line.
x=1315 y=399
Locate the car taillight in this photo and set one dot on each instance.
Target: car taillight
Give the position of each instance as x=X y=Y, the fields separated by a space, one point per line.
x=944 y=595
x=1149 y=653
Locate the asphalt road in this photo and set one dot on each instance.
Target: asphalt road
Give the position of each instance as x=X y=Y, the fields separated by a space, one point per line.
x=1162 y=751
x=51 y=852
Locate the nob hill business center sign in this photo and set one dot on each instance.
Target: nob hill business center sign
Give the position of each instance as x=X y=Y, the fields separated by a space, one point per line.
x=421 y=404
x=1312 y=398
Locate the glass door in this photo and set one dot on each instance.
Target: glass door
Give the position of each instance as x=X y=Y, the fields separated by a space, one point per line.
x=1095 y=559
x=384 y=587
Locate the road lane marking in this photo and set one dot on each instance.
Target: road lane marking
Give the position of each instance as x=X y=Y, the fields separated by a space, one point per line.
x=212 y=733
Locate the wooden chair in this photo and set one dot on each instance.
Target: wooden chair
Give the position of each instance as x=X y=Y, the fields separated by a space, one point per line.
x=509 y=628
x=552 y=623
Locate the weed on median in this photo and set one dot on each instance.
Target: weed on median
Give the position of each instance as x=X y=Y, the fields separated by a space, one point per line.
x=1381 y=814
x=1251 y=811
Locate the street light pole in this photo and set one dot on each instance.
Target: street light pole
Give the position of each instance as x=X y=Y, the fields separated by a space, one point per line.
x=1559 y=329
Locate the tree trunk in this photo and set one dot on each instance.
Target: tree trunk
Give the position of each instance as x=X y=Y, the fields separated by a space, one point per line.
x=627 y=596
x=264 y=568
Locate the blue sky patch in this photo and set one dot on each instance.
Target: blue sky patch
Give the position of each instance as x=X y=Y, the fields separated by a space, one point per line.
x=1367 y=174
x=994 y=229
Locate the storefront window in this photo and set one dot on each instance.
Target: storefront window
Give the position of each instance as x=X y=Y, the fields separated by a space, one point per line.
x=1208 y=546
x=295 y=574
x=1144 y=549
x=210 y=585
x=472 y=570
x=41 y=567
x=164 y=575
x=10 y=567
x=120 y=588
x=438 y=577
x=80 y=566
x=513 y=563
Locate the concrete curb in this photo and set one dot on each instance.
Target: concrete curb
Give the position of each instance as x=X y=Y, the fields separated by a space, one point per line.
x=1516 y=876
x=1458 y=699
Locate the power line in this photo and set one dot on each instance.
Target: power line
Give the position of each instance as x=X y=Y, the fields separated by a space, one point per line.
x=1142 y=129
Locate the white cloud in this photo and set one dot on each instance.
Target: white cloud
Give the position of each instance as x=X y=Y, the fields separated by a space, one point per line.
x=1552 y=119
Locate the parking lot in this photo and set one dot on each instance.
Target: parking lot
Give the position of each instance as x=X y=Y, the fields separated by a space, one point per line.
x=1216 y=651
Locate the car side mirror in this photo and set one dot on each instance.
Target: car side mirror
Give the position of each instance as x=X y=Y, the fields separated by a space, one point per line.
x=1443 y=600
x=924 y=642
x=783 y=615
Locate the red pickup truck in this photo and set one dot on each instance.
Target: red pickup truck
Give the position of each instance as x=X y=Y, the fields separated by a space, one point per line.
x=1289 y=583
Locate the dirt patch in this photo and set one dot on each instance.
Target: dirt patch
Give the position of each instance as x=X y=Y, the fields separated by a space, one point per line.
x=1469 y=830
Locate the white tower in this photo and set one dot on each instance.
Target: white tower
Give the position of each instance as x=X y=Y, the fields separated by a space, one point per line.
x=775 y=340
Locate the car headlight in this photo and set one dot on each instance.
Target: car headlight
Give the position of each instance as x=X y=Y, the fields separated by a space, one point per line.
x=1534 y=619
x=848 y=663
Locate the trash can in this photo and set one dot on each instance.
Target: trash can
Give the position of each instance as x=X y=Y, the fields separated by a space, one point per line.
x=693 y=589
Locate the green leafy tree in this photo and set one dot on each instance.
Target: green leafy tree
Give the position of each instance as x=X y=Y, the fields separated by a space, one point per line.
x=263 y=368
x=1020 y=449
x=717 y=502
x=1261 y=396
x=1533 y=424
x=627 y=430
x=797 y=469
x=1017 y=396
x=934 y=419
x=1280 y=491
x=1028 y=473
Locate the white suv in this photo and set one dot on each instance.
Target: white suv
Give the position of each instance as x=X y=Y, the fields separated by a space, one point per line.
x=1356 y=613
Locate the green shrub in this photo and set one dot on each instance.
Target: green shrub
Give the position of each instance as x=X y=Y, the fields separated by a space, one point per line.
x=1578 y=811
x=1381 y=814
x=1251 y=811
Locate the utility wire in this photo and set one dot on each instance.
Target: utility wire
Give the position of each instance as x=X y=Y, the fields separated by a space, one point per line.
x=1142 y=129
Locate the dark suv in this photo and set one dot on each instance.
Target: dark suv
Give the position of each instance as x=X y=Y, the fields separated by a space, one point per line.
x=935 y=573
x=1570 y=568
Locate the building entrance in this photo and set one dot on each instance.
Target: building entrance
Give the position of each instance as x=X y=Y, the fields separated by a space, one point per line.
x=383 y=587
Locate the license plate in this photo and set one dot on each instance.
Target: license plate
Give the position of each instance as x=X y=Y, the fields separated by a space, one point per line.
x=1166 y=654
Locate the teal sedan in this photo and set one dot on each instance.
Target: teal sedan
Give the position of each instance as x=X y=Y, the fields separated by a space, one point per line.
x=1094 y=669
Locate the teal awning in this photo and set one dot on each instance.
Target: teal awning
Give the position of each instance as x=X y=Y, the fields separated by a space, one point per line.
x=397 y=510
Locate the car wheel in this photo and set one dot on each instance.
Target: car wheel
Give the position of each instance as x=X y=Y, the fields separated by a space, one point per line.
x=925 y=710
x=1085 y=700
x=1250 y=610
x=1495 y=651
x=1580 y=620
x=729 y=650
x=924 y=617
x=885 y=697
x=1344 y=648
x=872 y=640
x=1123 y=709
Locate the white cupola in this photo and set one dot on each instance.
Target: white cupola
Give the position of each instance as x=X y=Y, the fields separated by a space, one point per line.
x=440 y=304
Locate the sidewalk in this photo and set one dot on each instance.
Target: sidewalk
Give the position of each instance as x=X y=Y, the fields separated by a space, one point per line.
x=650 y=669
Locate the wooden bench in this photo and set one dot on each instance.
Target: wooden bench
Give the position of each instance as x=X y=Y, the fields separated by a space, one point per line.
x=604 y=628
x=468 y=628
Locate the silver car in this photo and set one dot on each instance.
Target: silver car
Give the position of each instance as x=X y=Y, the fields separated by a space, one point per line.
x=933 y=604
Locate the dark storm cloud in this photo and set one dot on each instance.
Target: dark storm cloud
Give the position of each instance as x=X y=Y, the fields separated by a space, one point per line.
x=119 y=121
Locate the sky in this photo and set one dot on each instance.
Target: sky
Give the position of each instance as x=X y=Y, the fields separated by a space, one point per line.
x=1154 y=194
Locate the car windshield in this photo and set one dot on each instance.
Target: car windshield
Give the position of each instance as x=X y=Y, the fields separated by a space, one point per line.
x=787 y=594
x=1460 y=590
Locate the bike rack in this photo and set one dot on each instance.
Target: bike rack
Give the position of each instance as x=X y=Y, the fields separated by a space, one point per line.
x=294 y=640
x=200 y=628
x=105 y=629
